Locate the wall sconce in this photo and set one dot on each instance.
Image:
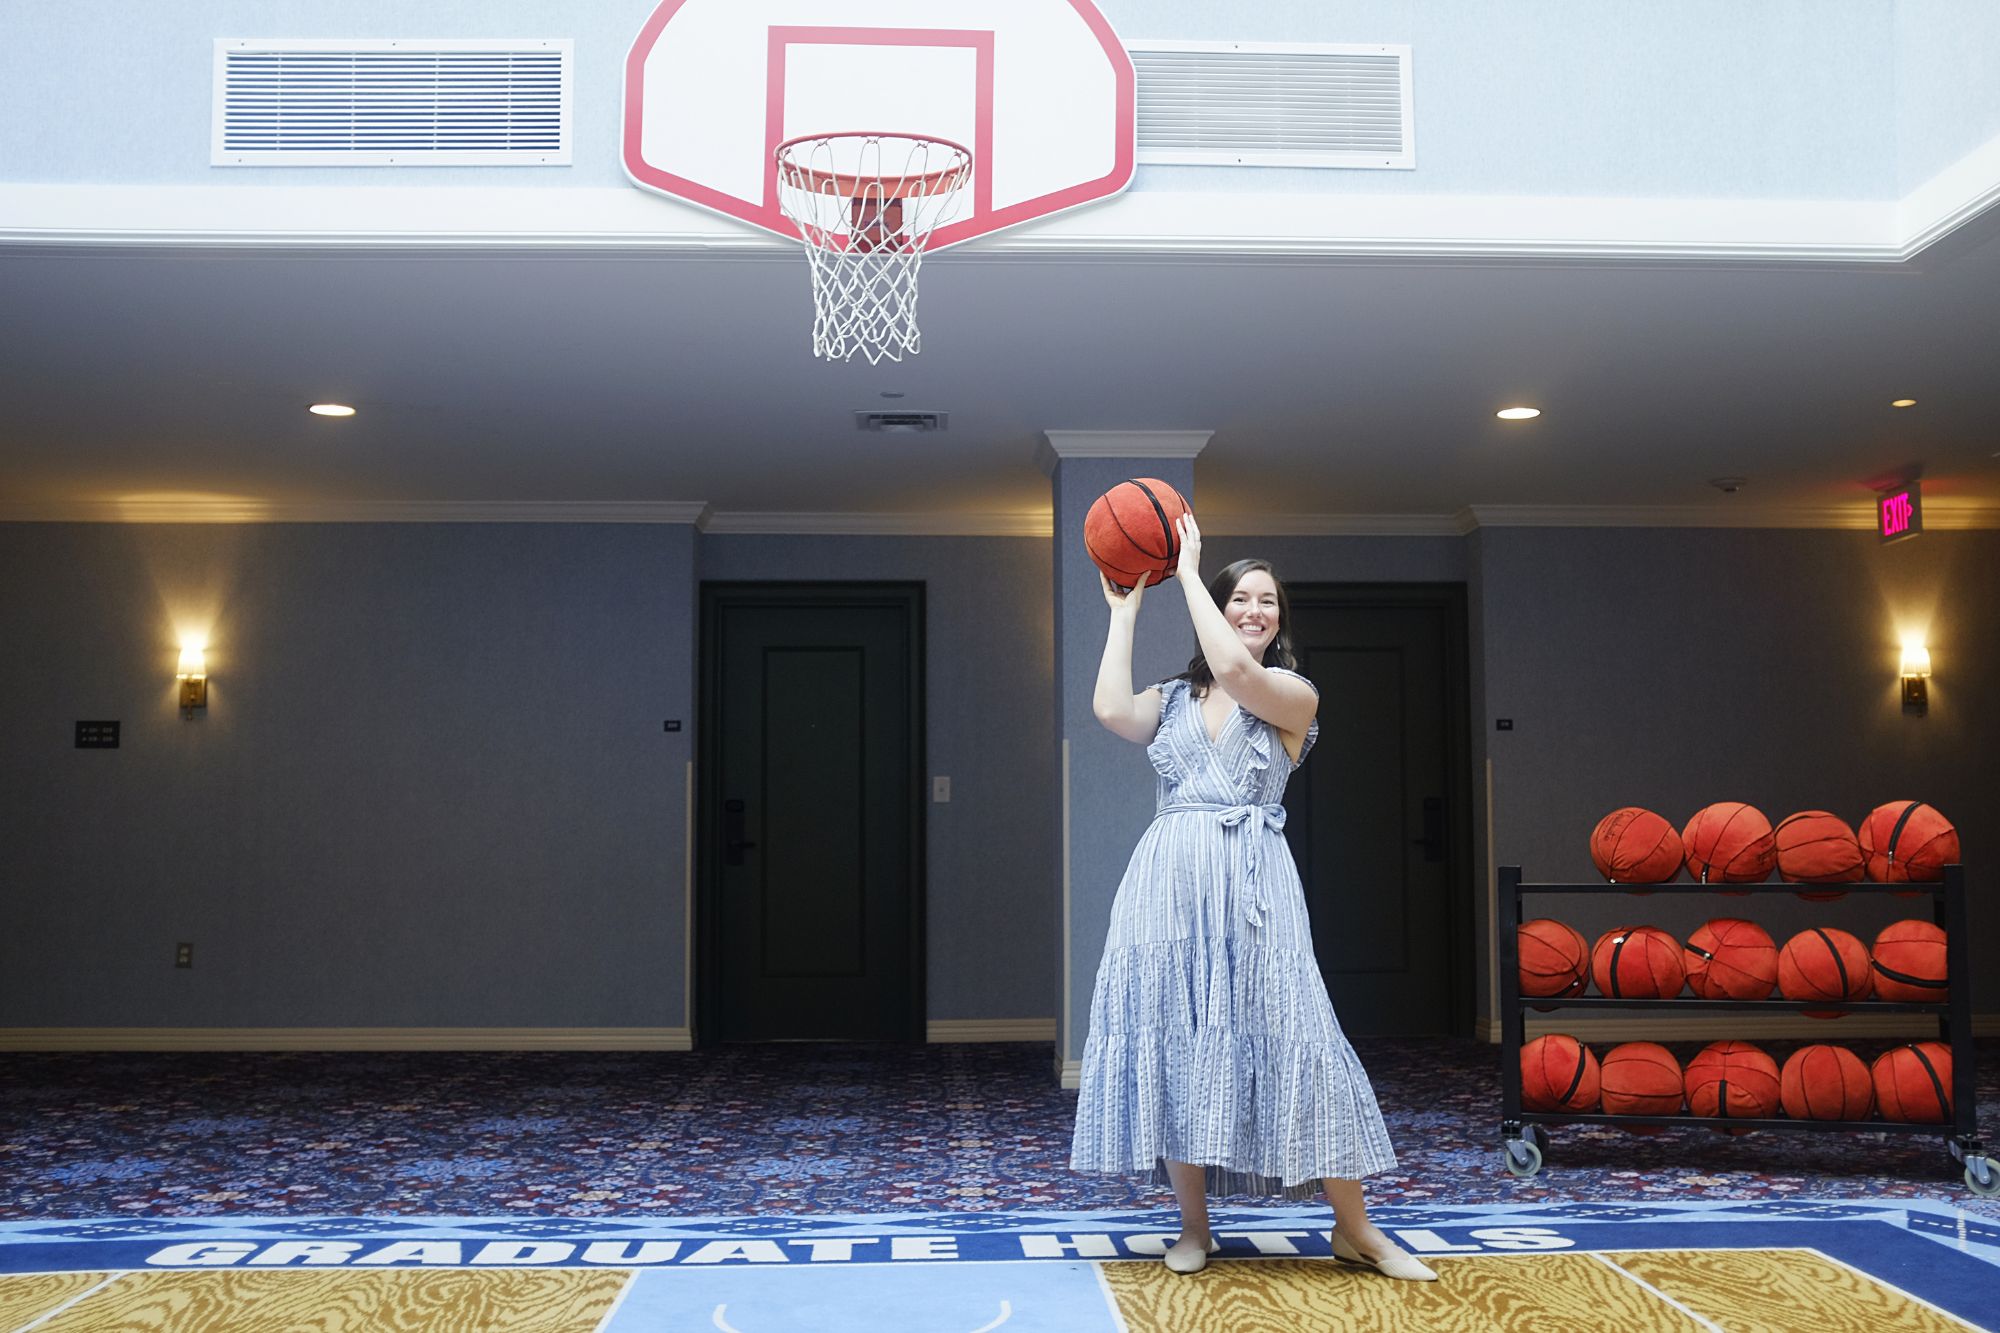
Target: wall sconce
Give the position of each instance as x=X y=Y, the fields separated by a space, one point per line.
x=1915 y=671
x=193 y=676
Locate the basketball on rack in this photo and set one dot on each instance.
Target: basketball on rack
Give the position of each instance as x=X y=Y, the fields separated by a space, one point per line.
x=1732 y=1080
x=1822 y=963
x=1554 y=958
x=1134 y=529
x=1729 y=843
x=1632 y=845
x=1913 y=1083
x=1817 y=847
x=1825 y=1083
x=1908 y=963
x=1637 y=963
x=1558 y=1073
x=1640 y=1078
x=1731 y=959
x=1907 y=841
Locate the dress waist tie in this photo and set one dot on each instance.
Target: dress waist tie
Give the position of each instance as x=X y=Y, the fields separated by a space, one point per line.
x=1246 y=824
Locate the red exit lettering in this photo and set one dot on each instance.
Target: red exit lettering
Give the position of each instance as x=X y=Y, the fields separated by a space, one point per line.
x=1895 y=513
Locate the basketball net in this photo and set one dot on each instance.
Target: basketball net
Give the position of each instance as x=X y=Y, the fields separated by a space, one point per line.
x=865 y=206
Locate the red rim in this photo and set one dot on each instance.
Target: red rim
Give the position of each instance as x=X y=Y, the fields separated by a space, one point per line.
x=858 y=186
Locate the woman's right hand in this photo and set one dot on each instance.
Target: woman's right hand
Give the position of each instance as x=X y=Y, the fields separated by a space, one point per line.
x=1127 y=602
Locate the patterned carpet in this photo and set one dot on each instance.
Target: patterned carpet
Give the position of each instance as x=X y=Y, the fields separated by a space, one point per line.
x=783 y=1129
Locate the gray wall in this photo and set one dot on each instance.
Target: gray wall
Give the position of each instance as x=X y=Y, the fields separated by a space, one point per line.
x=432 y=788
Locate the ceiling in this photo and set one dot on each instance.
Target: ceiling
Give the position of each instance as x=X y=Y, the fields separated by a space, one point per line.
x=1353 y=387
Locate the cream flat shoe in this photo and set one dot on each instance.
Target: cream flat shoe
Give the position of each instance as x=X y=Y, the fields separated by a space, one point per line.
x=1397 y=1265
x=1186 y=1256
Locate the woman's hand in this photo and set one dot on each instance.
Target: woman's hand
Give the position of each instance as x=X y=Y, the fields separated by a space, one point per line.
x=1126 y=602
x=1190 y=564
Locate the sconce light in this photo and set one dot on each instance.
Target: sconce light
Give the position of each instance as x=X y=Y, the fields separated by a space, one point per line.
x=193 y=676
x=1916 y=669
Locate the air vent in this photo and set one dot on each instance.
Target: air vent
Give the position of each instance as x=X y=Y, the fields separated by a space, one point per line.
x=1274 y=105
x=902 y=423
x=409 y=102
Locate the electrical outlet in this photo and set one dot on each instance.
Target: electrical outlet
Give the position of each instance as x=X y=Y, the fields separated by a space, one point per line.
x=941 y=791
x=183 y=955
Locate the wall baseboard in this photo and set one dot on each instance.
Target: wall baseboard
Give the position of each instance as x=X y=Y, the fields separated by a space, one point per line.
x=1069 y=1073
x=990 y=1029
x=1748 y=1027
x=345 y=1039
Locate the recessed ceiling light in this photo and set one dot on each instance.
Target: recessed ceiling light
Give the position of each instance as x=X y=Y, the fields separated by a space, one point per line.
x=890 y=393
x=1904 y=402
x=331 y=410
x=1518 y=413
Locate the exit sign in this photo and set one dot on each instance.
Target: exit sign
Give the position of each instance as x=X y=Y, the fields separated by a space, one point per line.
x=1899 y=513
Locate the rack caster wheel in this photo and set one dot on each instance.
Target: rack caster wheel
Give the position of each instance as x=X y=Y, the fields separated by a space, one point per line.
x=1538 y=1136
x=1521 y=1157
x=1982 y=1177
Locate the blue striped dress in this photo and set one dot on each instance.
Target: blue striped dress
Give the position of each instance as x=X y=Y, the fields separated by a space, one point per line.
x=1212 y=1039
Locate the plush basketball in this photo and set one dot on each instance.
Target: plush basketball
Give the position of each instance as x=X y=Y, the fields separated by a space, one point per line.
x=1133 y=529
x=1908 y=963
x=1822 y=963
x=1635 y=846
x=1555 y=959
x=1637 y=963
x=1913 y=1083
x=1907 y=840
x=1732 y=1080
x=1640 y=1078
x=1825 y=1083
x=1729 y=843
x=1558 y=1073
x=1815 y=847
x=1730 y=959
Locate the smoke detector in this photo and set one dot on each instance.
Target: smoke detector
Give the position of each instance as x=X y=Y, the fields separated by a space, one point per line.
x=1729 y=485
x=902 y=423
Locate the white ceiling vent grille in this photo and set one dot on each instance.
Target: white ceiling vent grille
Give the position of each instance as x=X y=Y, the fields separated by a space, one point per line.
x=1274 y=104
x=411 y=102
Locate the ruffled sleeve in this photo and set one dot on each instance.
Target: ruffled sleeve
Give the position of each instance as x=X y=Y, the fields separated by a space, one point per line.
x=1312 y=728
x=1160 y=751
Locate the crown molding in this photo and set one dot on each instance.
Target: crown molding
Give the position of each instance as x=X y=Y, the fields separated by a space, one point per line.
x=1332 y=525
x=248 y=509
x=1940 y=515
x=793 y=523
x=1057 y=445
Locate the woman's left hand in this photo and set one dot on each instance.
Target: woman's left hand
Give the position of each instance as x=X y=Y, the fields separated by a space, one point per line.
x=1190 y=563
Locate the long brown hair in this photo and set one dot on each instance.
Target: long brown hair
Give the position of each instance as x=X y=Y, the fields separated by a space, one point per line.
x=1277 y=653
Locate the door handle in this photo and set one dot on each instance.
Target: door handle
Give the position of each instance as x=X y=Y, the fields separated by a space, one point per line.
x=1433 y=840
x=733 y=842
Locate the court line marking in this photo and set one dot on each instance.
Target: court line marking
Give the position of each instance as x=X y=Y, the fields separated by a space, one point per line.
x=1708 y=1324
x=44 y=1318
x=1110 y=1298
x=1884 y=1282
x=631 y=1281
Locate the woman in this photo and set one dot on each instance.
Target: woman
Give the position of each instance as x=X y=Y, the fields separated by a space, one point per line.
x=1214 y=1058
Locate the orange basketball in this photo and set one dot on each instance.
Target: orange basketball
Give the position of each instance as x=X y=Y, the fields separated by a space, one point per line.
x=1729 y=843
x=1635 y=846
x=1637 y=963
x=1908 y=962
x=1825 y=1083
x=1133 y=529
x=1558 y=1073
x=1640 y=1078
x=1913 y=1083
x=1732 y=1080
x=1907 y=840
x=1731 y=959
x=1815 y=847
x=1822 y=963
x=1555 y=960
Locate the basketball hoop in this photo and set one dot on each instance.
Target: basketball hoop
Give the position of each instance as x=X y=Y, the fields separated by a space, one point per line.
x=865 y=205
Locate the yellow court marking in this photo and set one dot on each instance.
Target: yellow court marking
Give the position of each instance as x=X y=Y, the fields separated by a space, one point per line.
x=531 y=1300
x=1781 y=1291
x=28 y=1297
x=1496 y=1294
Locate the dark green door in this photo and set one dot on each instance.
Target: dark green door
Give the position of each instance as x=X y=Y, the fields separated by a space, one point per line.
x=1377 y=817
x=811 y=813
